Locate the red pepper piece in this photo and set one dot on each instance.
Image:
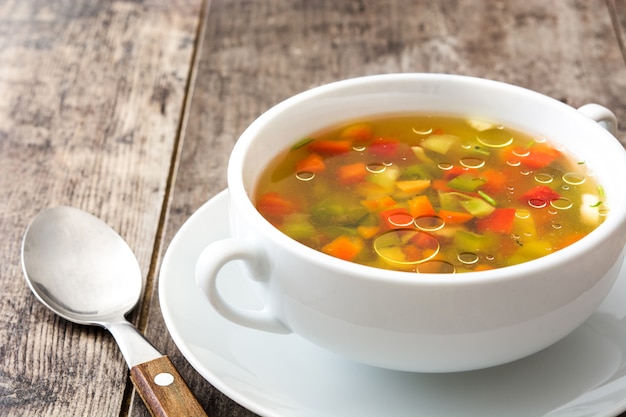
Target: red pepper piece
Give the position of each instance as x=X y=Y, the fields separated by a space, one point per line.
x=539 y=196
x=540 y=156
x=352 y=173
x=454 y=172
x=396 y=218
x=499 y=221
x=384 y=147
x=496 y=181
x=454 y=217
x=274 y=207
x=311 y=163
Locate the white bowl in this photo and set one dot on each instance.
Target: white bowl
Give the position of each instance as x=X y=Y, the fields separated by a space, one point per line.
x=400 y=320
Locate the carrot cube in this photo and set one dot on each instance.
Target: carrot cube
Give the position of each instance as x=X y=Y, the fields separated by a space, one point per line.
x=420 y=206
x=352 y=173
x=344 y=247
x=330 y=147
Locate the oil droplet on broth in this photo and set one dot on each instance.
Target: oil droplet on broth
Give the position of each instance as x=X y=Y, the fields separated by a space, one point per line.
x=537 y=203
x=472 y=162
x=573 y=178
x=436 y=267
x=406 y=247
x=468 y=258
x=543 y=178
x=376 y=168
x=561 y=203
x=495 y=138
x=305 y=175
x=521 y=152
x=422 y=130
x=513 y=162
x=400 y=219
x=429 y=223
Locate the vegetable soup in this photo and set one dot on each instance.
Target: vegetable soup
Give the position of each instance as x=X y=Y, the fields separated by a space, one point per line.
x=430 y=194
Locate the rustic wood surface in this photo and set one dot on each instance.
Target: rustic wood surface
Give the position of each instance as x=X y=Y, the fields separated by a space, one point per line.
x=92 y=98
x=129 y=109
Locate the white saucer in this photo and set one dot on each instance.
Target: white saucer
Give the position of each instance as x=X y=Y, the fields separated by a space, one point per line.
x=285 y=376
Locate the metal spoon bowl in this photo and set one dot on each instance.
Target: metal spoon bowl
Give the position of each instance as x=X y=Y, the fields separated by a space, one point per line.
x=81 y=269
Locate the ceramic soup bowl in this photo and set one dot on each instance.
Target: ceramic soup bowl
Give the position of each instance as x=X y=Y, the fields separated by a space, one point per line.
x=408 y=321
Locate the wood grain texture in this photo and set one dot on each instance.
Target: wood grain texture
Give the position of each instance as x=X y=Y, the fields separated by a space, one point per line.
x=167 y=398
x=91 y=98
x=255 y=54
x=617 y=9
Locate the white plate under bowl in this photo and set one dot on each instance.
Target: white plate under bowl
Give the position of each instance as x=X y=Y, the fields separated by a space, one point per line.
x=273 y=375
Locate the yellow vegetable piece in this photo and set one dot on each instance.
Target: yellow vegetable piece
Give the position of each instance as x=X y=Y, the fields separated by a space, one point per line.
x=421 y=154
x=367 y=232
x=440 y=143
x=377 y=204
x=413 y=186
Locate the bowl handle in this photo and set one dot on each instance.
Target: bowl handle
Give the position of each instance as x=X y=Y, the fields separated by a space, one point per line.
x=602 y=115
x=217 y=255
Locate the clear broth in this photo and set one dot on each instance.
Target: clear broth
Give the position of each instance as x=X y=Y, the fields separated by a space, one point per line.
x=430 y=194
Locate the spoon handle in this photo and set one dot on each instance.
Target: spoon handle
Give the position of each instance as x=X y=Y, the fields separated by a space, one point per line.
x=163 y=390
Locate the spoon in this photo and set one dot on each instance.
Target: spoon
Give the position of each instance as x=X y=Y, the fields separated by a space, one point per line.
x=81 y=269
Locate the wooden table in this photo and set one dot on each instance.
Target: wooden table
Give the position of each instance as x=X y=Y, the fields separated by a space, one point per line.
x=129 y=109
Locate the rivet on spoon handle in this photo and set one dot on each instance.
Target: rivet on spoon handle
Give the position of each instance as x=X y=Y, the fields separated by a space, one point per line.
x=163 y=389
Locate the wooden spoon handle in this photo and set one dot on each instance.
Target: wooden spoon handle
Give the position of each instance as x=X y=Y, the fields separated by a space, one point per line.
x=163 y=390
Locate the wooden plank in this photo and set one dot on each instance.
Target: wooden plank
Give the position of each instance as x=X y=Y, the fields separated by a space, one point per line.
x=92 y=94
x=258 y=53
x=617 y=9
